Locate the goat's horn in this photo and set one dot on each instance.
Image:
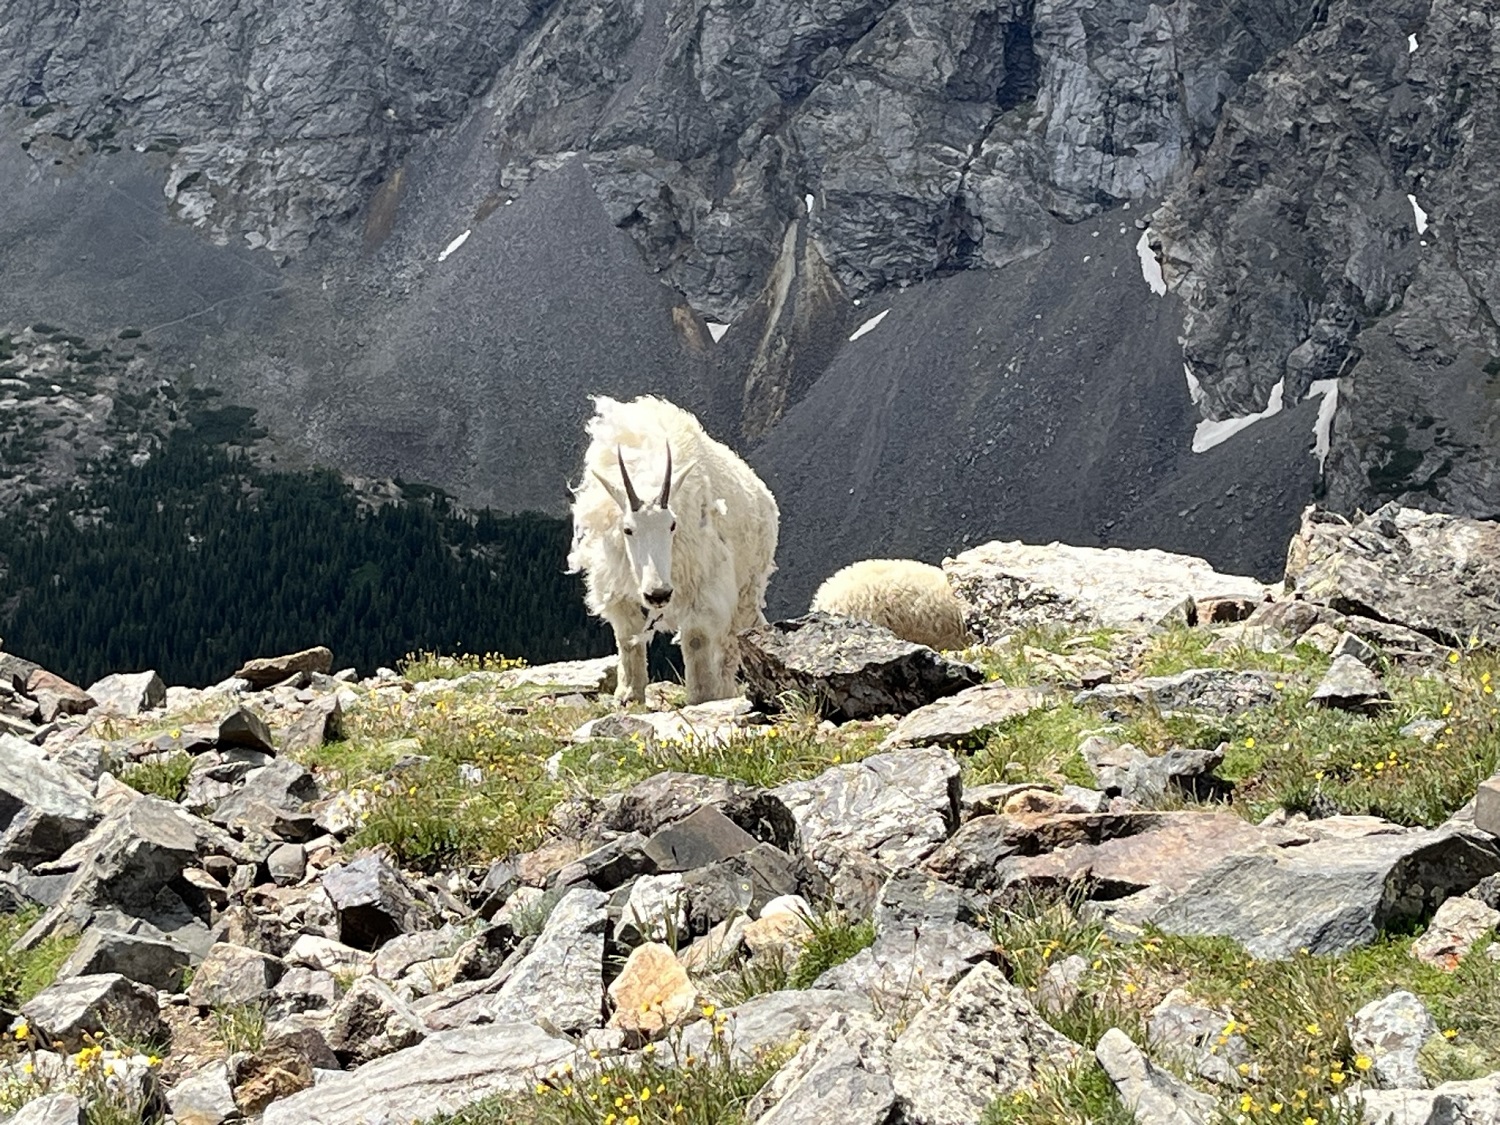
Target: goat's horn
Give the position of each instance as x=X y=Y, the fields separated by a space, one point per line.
x=666 y=481
x=635 y=501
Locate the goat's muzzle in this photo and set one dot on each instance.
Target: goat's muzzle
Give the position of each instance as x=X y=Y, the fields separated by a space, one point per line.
x=657 y=598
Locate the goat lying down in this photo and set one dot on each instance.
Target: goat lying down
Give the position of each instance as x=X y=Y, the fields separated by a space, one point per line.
x=673 y=532
x=912 y=599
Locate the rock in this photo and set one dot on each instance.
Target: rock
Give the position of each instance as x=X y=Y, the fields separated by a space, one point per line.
x=609 y=866
x=782 y=931
x=320 y=721
x=1156 y=1097
x=926 y=939
x=1475 y=1102
x=958 y=718
x=838 y=1077
x=703 y=837
x=592 y=677
x=267 y=670
x=16 y=671
x=1125 y=771
x=740 y=884
x=895 y=808
x=44 y=808
x=203 y=1097
x=143 y=957
x=1197 y=1038
x=1392 y=1031
x=50 y=1109
x=959 y=1052
x=653 y=991
x=401 y=954
x=1487 y=806
x=1350 y=686
x=1328 y=896
x=442 y=1074
x=284 y=785
x=130 y=860
x=845 y=668
x=1349 y=644
x=55 y=696
x=1215 y=691
x=718 y=949
x=287 y=863
x=1008 y=587
x=301 y=989
x=1435 y=574
x=128 y=694
x=374 y=902
x=243 y=727
x=65 y=1010
x=316 y=952
x=667 y=797
x=716 y=722
x=654 y=910
x=371 y=1021
x=1060 y=985
x=1457 y=926
x=232 y=975
x=562 y=978
x=280 y=1069
x=769 y=1021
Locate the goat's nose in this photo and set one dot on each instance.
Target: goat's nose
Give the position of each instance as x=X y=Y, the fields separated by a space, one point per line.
x=659 y=597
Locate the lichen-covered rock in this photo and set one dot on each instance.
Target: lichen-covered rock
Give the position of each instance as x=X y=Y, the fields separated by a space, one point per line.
x=1155 y=1096
x=845 y=668
x=1391 y=1031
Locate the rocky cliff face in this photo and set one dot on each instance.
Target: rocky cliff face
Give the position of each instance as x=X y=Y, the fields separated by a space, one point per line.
x=417 y=236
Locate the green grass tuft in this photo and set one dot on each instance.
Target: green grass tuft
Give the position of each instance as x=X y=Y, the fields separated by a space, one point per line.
x=164 y=776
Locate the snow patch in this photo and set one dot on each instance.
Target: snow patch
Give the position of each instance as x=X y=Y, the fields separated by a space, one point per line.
x=1323 y=428
x=1210 y=434
x=454 y=245
x=1418 y=213
x=1195 y=388
x=808 y=201
x=716 y=330
x=1150 y=267
x=1411 y=44
x=868 y=326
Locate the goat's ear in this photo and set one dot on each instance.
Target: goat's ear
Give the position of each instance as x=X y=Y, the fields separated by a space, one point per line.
x=614 y=493
x=680 y=474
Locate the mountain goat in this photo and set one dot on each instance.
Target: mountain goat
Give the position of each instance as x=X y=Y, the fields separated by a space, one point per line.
x=693 y=559
x=911 y=599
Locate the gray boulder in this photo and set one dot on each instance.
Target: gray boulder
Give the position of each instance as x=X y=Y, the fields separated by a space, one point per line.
x=773 y=1020
x=1215 y=691
x=283 y=784
x=140 y=953
x=44 y=808
x=562 y=978
x=443 y=1074
x=1328 y=896
x=1350 y=685
x=374 y=902
x=243 y=727
x=1156 y=1097
x=1391 y=1031
x=232 y=975
x=894 y=808
x=959 y=718
x=845 y=668
x=667 y=797
x=203 y=1098
x=128 y=693
x=50 y=1109
x=962 y=1050
x=320 y=721
x=838 y=1077
x=1474 y=1102
x=65 y=1010
x=1126 y=771
x=1437 y=574
x=371 y=1021
x=267 y=670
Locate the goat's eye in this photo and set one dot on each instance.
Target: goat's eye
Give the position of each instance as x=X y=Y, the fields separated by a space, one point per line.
x=628 y=531
x=673 y=527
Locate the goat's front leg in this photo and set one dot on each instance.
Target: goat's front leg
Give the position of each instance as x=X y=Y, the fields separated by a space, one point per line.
x=703 y=665
x=629 y=623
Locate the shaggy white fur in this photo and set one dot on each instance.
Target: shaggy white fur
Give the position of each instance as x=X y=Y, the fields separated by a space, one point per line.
x=911 y=599
x=712 y=547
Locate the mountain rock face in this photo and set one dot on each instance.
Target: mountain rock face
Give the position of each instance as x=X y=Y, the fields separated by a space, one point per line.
x=417 y=236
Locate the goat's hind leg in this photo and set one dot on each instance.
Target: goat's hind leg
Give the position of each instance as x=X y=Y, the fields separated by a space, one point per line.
x=629 y=623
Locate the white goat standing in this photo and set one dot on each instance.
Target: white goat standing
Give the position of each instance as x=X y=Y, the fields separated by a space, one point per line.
x=693 y=560
x=912 y=599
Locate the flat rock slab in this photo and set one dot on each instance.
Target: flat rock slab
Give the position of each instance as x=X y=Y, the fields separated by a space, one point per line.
x=66 y=1010
x=848 y=669
x=596 y=677
x=772 y=1020
x=666 y=797
x=1007 y=587
x=1216 y=691
x=443 y=1074
x=128 y=693
x=44 y=808
x=268 y=670
x=1475 y=1102
x=958 y=718
x=562 y=978
x=1436 y=574
x=1171 y=855
x=1327 y=896
x=714 y=723
x=894 y=808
